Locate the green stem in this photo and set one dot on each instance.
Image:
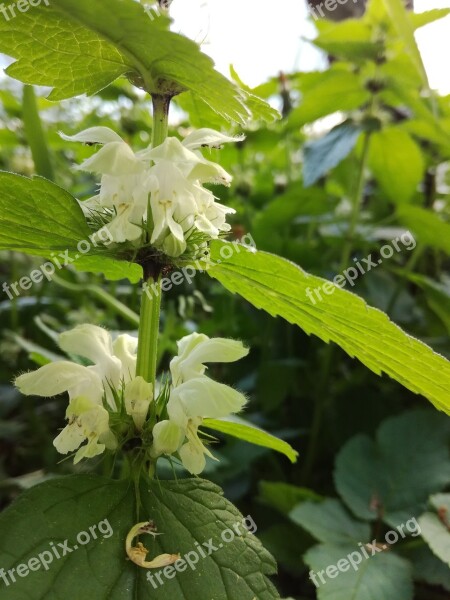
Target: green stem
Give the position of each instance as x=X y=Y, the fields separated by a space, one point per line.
x=149 y=330
x=161 y=106
x=357 y=203
x=151 y=295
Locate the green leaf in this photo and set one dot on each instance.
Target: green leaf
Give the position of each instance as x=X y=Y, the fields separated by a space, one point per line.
x=280 y=288
x=429 y=16
x=260 y=109
x=395 y=474
x=77 y=48
x=285 y=496
x=328 y=151
x=427 y=226
x=40 y=218
x=402 y=23
x=327 y=92
x=202 y=115
x=397 y=163
x=188 y=513
x=254 y=435
x=433 y=128
x=384 y=576
x=350 y=39
x=37 y=216
x=427 y=567
x=330 y=522
x=436 y=527
x=112 y=269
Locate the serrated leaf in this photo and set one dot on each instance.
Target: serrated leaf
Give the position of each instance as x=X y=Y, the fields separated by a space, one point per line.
x=77 y=48
x=254 y=435
x=327 y=152
x=397 y=163
x=330 y=522
x=395 y=474
x=280 y=288
x=188 y=513
x=40 y=218
x=383 y=576
x=37 y=216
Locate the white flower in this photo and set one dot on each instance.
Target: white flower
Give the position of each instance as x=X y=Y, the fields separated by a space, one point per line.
x=123 y=188
x=111 y=375
x=115 y=158
x=87 y=421
x=138 y=395
x=196 y=349
x=173 y=207
x=114 y=364
x=167 y=438
x=169 y=176
x=192 y=165
x=180 y=203
x=195 y=397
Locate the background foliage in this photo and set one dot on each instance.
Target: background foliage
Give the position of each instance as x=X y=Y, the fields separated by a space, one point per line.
x=318 y=190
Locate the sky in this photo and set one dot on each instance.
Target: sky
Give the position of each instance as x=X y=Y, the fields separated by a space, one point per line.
x=262 y=37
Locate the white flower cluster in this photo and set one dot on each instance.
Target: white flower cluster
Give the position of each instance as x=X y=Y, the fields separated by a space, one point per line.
x=194 y=396
x=158 y=190
x=109 y=387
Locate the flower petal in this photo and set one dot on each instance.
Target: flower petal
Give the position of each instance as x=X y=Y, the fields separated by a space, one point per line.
x=115 y=158
x=70 y=438
x=121 y=228
x=210 y=138
x=58 y=377
x=203 y=397
x=93 y=135
x=138 y=395
x=93 y=448
x=125 y=348
x=89 y=341
x=193 y=458
x=167 y=437
x=196 y=349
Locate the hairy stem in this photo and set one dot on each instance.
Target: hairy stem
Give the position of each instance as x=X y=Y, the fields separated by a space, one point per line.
x=151 y=296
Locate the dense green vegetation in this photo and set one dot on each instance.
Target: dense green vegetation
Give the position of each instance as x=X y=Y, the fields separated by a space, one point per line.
x=349 y=185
